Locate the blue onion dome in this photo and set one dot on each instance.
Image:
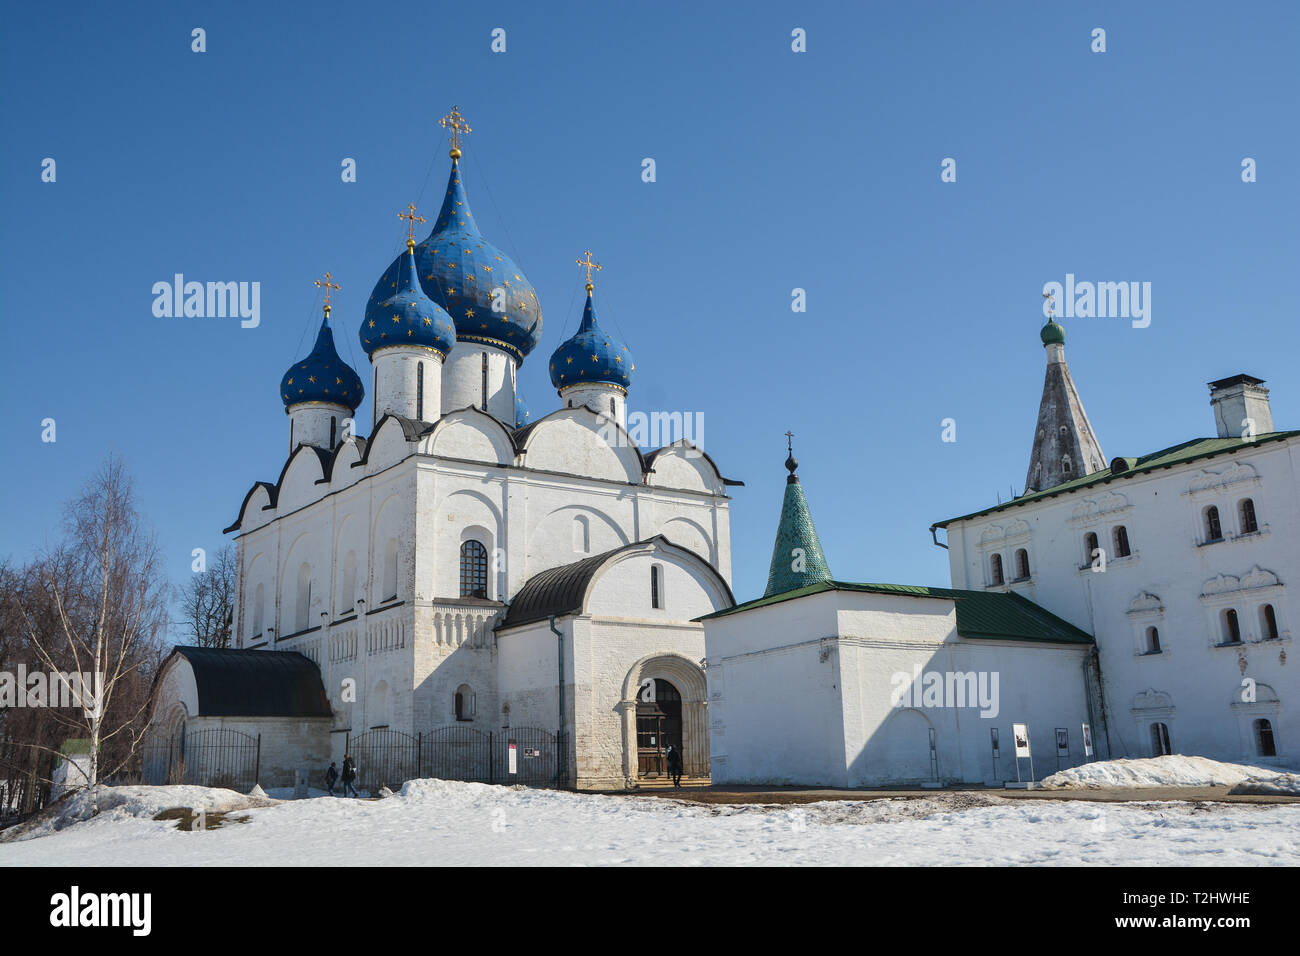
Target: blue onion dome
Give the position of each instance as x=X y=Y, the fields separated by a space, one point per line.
x=521 y=411
x=322 y=376
x=399 y=313
x=458 y=269
x=1053 y=333
x=592 y=355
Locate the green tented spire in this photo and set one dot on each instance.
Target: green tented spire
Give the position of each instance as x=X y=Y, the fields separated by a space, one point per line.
x=797 y=558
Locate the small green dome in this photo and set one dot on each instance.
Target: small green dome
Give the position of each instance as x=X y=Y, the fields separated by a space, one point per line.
x=1053 y=333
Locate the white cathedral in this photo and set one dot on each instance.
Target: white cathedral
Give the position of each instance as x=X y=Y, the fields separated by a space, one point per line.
x=467 y=592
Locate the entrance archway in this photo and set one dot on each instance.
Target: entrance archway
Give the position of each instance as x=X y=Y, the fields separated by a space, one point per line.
x=664 y=702
x=658 y=726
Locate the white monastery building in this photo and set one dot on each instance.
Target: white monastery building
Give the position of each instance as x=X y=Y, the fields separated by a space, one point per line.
x=468 y=592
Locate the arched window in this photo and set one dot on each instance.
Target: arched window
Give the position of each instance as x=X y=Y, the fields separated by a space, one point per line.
x=612 y=410
x=302 y=608
x=334 y=430
x=419 y=391
x=1090 y=547
x=1153 y=641
x=1122 y=549
x=473 y=570
x=655 y=596
x=581 y=534
x=465 y=702
x=348 y=591
x=484 y=402
x=995 y=567
x=1264 y=743
x=389 y=591
x=1246 y=512
x=1231 y=627
x=1160 y=740
x=259 y=602
x=1065 y=465
x=1268 y=622
x=1213 y=527
x=379 y=706
x=1022 y=564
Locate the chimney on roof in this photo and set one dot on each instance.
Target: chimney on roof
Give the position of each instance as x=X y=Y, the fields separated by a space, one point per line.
x=1241 y=407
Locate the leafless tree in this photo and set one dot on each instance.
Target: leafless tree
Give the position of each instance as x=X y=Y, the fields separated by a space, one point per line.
x=96 y=604
x=207 y=601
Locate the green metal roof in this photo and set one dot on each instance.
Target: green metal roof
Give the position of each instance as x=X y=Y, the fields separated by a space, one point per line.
x=1165 y=458
x=993 y=615
x=797 y=558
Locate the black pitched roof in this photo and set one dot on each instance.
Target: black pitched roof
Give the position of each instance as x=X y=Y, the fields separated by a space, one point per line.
x=560 y=591
x=240 y=683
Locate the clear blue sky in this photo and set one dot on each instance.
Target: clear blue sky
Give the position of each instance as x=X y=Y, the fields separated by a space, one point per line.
x=776 y=170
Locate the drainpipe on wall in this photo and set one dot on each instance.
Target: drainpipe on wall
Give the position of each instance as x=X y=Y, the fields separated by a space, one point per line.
x=934 y=536
x=559 y=645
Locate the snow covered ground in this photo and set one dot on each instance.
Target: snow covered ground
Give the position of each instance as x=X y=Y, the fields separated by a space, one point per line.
x=451 y=823
x=1173 y=770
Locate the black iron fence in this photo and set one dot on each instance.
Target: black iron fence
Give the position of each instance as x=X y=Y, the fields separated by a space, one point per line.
x=213 y=757
x=525 y=755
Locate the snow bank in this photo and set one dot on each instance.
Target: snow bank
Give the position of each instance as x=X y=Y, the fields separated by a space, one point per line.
x=1172 y=770
x=124 y=803
x=1281 y=785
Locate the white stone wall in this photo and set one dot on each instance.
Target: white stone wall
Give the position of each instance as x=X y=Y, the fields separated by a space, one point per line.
x=397 y=374
x=601 y=399
x=1177 y=582
x=462 y=380
x=802 y=692
x=311 y=424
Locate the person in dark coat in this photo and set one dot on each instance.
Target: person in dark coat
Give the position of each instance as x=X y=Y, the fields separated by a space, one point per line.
x=675 y=765
x=349 y=774
x=331 y=777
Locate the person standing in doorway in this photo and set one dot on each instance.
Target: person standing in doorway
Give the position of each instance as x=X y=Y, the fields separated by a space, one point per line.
x=675 y=765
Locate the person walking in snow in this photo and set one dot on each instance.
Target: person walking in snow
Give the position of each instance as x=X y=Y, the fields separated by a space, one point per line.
x=675 y=765
x=349 y=774
x=331 y=777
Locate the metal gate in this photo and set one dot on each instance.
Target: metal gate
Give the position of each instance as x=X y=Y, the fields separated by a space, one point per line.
x=535 y=757
x=384 y=758
x=212 y=757
x=457 y=752
x=526 y=755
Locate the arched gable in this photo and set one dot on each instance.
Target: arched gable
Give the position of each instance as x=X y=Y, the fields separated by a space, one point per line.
x=390 y=443
x=554 y=533
x=254 y=512
x=304 y=472
x=691 y=535
x=684 y=466
x=470 y=435
x=577 y=441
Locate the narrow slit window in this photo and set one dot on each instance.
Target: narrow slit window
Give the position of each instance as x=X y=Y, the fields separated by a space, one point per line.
x=419 y=390
x=484 y=390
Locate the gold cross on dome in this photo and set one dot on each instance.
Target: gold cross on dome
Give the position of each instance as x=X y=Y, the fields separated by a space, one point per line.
x=327 y=285
x=589 y=264
x=456 y=123
x=412 y=219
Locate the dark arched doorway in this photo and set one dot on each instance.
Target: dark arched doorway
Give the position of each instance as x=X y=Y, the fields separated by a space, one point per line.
x=658 y=724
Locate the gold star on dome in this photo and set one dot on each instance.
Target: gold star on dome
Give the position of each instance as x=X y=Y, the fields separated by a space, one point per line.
x=290 y=381
x=487 y=268
x=618 y=359
x=312 y=379
x=469 y=313
x=428 y=321
x=569 y=360
x=338 y=381
x=372 y=323
x=397 y=318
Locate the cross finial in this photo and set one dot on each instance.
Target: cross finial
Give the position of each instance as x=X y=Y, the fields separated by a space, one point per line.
x=327 y=285
x=790 y=463
x=789 y=442
x=1051 y=305
x=456 y=123
x=412 y=219
x=589 y=264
